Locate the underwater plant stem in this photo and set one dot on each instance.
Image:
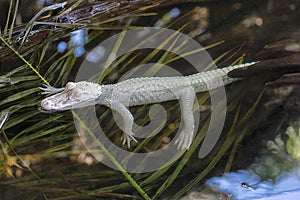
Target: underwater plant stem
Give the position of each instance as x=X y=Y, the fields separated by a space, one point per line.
x=114 y=161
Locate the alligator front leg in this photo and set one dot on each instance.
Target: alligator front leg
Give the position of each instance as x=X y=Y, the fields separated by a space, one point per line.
x=186 y=99
x=127 y=122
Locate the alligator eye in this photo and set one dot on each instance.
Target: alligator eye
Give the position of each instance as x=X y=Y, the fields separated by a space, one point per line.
x=70 y=86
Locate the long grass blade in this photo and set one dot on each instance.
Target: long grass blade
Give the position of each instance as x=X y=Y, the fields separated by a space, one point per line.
x=24 y=60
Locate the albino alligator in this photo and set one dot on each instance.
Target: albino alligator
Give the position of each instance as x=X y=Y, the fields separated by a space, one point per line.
x=139 y=91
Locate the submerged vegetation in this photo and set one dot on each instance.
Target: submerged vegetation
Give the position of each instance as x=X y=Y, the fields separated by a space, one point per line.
x=41 y=155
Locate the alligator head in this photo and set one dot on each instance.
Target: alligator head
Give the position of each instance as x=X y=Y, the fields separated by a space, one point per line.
x=74 y=95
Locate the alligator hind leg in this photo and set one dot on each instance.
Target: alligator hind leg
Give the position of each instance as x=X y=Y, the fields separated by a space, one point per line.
x=127 y=122
x=186 y=99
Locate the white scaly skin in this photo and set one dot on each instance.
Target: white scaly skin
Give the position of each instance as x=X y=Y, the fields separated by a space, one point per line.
x=139 y=91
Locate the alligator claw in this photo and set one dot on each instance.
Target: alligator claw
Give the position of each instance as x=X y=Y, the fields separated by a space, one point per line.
x=47 y=89
x=127 y=138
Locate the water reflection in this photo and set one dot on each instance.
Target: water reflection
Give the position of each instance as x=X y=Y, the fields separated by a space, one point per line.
x=268 y=179
x=77 y=40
